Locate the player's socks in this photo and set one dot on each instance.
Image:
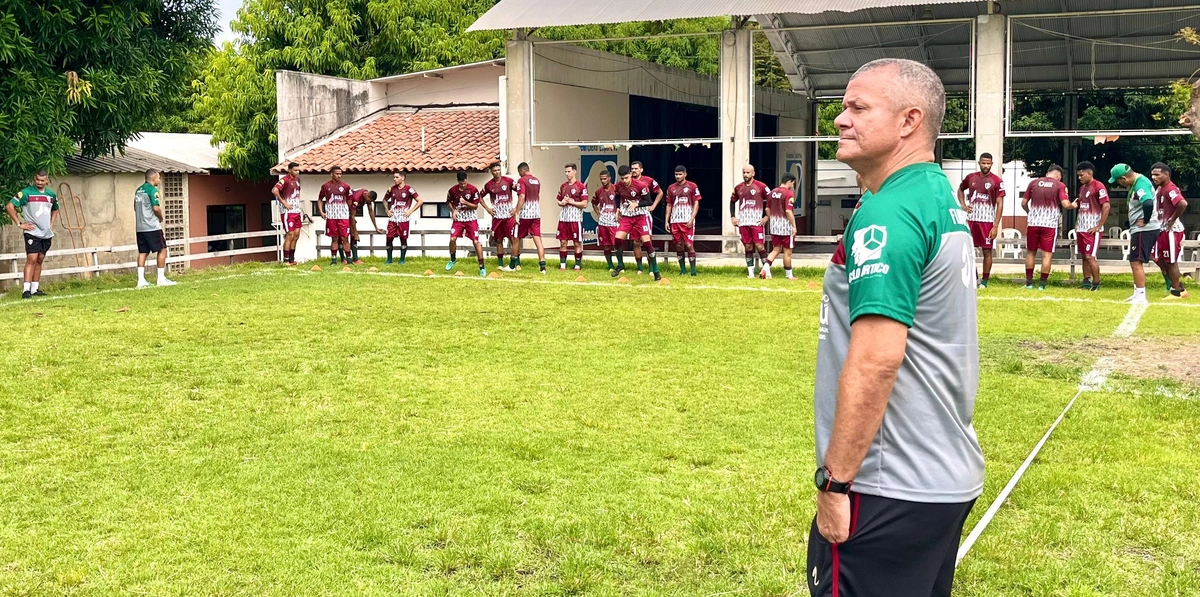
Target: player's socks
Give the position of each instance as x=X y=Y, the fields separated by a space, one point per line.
x=403 y=252
x=33 y=287
x=787 y=271
x=542 y=266
x=162 y=278
x=608 y=255
x=750 y=263
x=1095 y=287
x=692 y=261
x=562 y=259
x=1029 y=276
x=389 y=253
x=1086 y=284
x=482 y=267
x=984 y=282
x=682 y=265
x=141 y=280
x=354 y=252
x=579 y=261
x=1166 y=278
x=500 y=261
x=639 y=262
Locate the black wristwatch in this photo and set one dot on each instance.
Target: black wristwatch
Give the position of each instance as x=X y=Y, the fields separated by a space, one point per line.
x=825 y=482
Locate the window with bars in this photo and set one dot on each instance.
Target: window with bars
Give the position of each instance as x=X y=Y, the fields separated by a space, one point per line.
x=173 y=223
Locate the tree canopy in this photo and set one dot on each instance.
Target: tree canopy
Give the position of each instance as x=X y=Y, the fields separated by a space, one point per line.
x=89 y=75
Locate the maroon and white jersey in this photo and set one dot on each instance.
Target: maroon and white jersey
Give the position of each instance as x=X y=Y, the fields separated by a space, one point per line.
x=289 y=190
x=400 y=199
x=781 y=202
x=458 y=197
x=1166 y=198
x=681 y=196
x=1045 y=196
x=572 y=191
x=982 y=193
x=337 y=200
x=652 y=189
x=501 y=192
x=531 y=187
x=636 y=190
x=751 y=201
x=605 y=201
x=1092 y=197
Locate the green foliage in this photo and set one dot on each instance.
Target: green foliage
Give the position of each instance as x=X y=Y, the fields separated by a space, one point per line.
x=87 y=74
x=1109 y=110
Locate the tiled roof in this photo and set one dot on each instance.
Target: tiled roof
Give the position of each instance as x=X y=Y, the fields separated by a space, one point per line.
x=464 y=139
x=131 y=160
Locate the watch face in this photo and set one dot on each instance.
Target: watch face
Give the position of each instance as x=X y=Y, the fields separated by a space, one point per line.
x=821 y=478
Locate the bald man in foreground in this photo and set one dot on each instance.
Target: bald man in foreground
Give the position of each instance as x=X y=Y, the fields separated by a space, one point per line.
x=898 y=463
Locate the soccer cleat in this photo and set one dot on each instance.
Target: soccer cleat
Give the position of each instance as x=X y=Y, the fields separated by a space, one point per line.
x=1172 y=297
x=483 y=272
x=1041 y=287
x=358 y=262
x=449 y=265
x=639 y=271
x=1184 y=294
x=165 y=282
x=543 y=272
x=1029 y=286
x=693 y=274
x=577 y=268
x=657 y=277
x=26 y=294
x=1141 y=300
x=143 y=284
x=616 y=273
x=1095 y=287
x=388 y=262
x=401 y=262
x=983 y=283
x=333 y=262
x=507 y=269
x=39 y=292
x=1131 y=298
x=562 y=268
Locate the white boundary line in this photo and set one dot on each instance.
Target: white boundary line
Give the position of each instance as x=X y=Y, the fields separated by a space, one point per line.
x=1092 y=380
x=63 y=297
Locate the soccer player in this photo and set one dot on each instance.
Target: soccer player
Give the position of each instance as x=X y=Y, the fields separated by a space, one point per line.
x=401 y=201
x=529 y=215
x=683 y=204
x=637 y=169
x=335 y=195
x=358 y=198
x=287 y=193
x=781 y=207
x=148 y=218
x=747 y=206
x=633 y=195
x=1143 y=225
x=39 y=211
x=1093 y=209
x=985 y=208
x=572 y=198
x=463 y=199
x=1044 y=200
x=1170 y=205
x=504 y=225
x=604 y=205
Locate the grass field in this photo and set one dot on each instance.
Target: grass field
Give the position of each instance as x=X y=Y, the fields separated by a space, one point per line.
x=255 y=431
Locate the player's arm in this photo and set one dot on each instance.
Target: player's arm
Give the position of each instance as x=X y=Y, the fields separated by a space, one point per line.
x=485 y=199
x=733 y=213
x=467 y=202
x=54 y=212
x=1180 y=209
x=765 y=193
x=791 y=215
x=645 y=200
x=1104 y=209
x=670 y=208
x=877 y=345
x=1025 y=199
x=657 y=199
x=962 y=200
x=999 y=216
x=596 y=204
x=154 y=204
x=417 y=203
x=371 y=213
x=387 y=203
x=11 y=208
x=695 y=206
x=1147 y=209
x=321 y=197
x=582 y=202
x=278 y=197
x=1065 y=200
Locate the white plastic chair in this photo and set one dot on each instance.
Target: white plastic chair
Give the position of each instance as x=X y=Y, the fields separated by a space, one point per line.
x=1010 y=234
x=1196 y=252
x=1074 y=245
x=1114 y=232
x=1124 y=242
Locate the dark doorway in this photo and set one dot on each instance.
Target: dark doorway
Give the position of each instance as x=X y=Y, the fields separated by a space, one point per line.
x=226 y=219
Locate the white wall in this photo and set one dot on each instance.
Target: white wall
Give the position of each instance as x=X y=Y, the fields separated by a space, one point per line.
x=476 y=85
x=312 y=106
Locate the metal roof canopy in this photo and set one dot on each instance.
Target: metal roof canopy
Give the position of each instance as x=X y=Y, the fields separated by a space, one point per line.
x=1054 y=45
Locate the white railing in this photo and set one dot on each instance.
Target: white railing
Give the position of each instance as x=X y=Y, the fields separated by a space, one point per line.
x=94 y=253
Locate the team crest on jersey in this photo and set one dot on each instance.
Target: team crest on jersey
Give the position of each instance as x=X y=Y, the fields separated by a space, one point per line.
x=987 y=185
x=753 y=192
x=868 y=244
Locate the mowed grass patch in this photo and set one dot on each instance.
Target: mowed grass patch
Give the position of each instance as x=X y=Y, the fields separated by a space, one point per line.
x=295 y=433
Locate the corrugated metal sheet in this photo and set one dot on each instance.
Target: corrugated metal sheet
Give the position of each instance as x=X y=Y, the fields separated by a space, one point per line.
x=133 y=160
x=516 y=14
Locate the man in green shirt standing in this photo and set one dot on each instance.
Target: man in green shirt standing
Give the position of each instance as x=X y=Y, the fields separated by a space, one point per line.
x=39 y=210
x=1143 y=225
x=148 y=217
x=898 y=463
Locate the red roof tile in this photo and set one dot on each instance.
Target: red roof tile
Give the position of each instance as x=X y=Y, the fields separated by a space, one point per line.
x=454 y=140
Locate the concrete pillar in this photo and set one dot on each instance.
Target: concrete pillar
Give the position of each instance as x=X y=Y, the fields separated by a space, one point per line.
x=518 y=109
x=990 y=70
x=737 y=117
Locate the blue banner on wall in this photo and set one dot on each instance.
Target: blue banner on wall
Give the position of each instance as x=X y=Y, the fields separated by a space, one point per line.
x=591 y=165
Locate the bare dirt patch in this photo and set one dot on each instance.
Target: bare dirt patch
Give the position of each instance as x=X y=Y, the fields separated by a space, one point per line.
x=1145 y=358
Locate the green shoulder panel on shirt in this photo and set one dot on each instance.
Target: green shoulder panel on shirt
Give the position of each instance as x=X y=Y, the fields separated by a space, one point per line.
x=1142 y=189
x=152 y=193
x=894 y=236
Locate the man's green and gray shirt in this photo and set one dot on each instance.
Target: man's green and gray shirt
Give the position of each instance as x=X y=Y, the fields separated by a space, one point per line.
x=1141 y=206
x=145 y=199
x=36 y=207
x=907 y=256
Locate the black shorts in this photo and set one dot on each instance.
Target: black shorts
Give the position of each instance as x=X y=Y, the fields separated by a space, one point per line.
x=35 y=245
x=151 y=242
x=895 y=548
x=1141 y=246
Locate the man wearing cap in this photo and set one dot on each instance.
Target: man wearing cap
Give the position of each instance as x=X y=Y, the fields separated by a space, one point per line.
x=1143 y=225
